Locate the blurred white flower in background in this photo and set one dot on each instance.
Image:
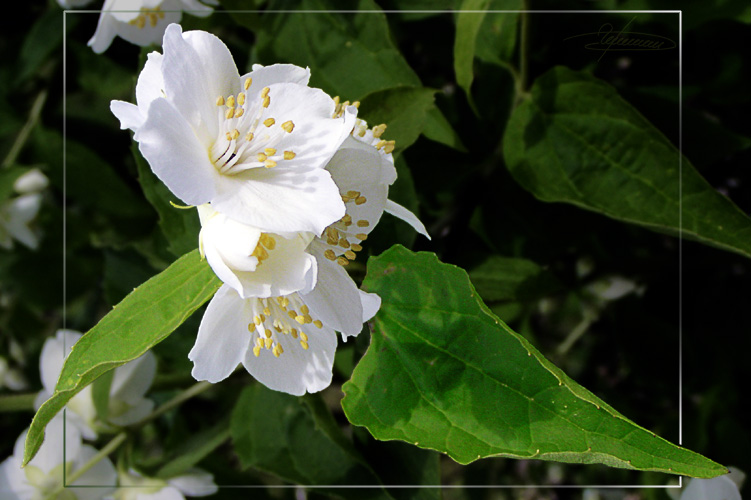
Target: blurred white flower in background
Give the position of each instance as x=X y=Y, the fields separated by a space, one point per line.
x=72 y=4
x=140 y=22
x=725 y=487
x=130 y=382
x=194 y=483
x=17 y=214
x=44 y=474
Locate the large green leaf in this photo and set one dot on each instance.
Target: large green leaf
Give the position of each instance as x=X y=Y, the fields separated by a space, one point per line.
x=507 y=278
x=143 y=319
x=444 y=373
x=301 y=443
x=577 y=141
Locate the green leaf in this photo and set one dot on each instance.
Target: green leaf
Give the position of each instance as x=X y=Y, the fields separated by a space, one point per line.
x=300 y=443
x=195 y=449
x=349 y=54
x=496 y=40
x=467 y=27
x=577 y=141
x=180 y=226
x=100 y=393
x=143 y=319
x=404 y=110
x=444 y=373
x=437 y=128
x=505 y=278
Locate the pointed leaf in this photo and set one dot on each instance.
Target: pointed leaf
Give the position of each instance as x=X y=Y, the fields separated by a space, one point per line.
x=143 y=319
x=444 y=373
x=577 y=141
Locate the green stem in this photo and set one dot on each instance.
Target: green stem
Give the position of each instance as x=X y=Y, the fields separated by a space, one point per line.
x=23 y=135
x=17 y=402
x=176 y=401
x=577 y=332
x=108 y=448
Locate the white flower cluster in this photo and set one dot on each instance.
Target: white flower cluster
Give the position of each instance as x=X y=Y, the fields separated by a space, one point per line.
x=288 y=184
x=63 y=452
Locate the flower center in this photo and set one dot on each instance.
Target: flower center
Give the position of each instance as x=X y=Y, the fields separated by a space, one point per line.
x=247 y=133
x=278 y=317
x=265 y=244
x=151 y=15
x=343 y=234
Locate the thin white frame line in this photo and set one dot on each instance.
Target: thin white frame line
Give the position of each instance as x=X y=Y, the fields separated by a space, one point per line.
x=680 y=229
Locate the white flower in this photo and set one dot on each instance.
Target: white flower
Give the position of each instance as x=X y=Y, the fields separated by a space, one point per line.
x=253 y=146
x=141 y=22
x=16 y=216
x=288 y=341
x=253 y=263
x=129 y=384
x=44 y=474
x=195 y=483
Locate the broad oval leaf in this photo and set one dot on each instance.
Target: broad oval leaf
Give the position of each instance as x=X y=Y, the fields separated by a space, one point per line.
x=444 y=373
x=143 y=319
x=577 y=141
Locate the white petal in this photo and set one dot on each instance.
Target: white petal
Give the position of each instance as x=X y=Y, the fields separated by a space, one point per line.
x=335 y=299
x=223 y=337
x=196 y=8
x=371 y=303
x=131 y=381
x=50 y=454
x=102 y=474
x=402 y=213
x=196 y=483
x=32 y=181
x=281 y=200
x=197 y=69
x=54 y=352
x=288 y=269
x=380 y=168
x=709 y=489
x=263 y=76
x=128 y=114
x=148 y=35
x=297 y=370
x=150 y=84
x=137 y=412
x=175 y=155
x=13 y=483
x=22 y=211
x=166 y=493
x=106 y=30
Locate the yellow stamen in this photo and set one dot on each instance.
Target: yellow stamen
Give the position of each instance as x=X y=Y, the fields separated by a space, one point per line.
x=230 y=113
x=220 y=101
x=304 y=345
x=249 y=137
x=239 y=112
x=360 y=200
x=240 y=98
x=269 y=164
x=251 y=327
x=363 y=223
x=361 y=236
x=257 y=351
x=248 y=82
x=288 y=126
x=350 y=255
x=270 y=151
x=318 y=323
x=342 y=261
x=231 y=101
x=356 y=247
x=329 y=254
x=269 y=122
x=288 y=155
x=261 y=157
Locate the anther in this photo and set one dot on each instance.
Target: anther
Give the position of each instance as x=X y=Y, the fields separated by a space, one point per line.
x=342 y=261
x=249 y=137
x=270 y=151
x=304 y=345
x=363 y=223
x=356 y=247
x=361 y=236
x=318 y=323
x=380 y=144
x=240 y=98
x=231 y=101
x=228 y=136
x=269 y=122
x=266 y=101
x=288 y=155
x=344 y=243
x=257 y=351
x=230 y=113
x=248 y=82
x=265 y=92
x=257 y=320
x=268 y=343
x=350 y=255
x=294 y=333
x=220 y=101
x=261 y=157
x=239 y=112
x=300 y=319
x=353 y=194
x=360 y=200
x=269 y=164
x=329 y=254
x=388 y=148
x=378 y=130
x=303 y=337
x=304 y=309
x=267 y=311
x=288 y=126
x=251 y=327
x=356 y=104
x=267 y=332
x=235 y=134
